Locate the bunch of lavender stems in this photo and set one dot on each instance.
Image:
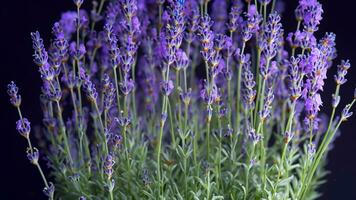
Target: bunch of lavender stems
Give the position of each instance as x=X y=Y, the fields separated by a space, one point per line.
x=184 y=99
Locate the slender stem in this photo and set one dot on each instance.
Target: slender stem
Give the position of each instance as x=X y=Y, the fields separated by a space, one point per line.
x=229 y=97
x=31 y=150
x=321 y=150
x=238 y=91
x=111 y=195
x=248 y=171
x=117 y=89
x=206 y=6
x=42 y=175
x=63 y=131
x=208 y=139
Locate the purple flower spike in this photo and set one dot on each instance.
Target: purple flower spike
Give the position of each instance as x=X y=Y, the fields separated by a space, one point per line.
x=33 y=155
x=49 y=191
x=249 y=93
x=255 y=138
x=108 y=166
x=296 y=77
x=346 y=112
x=182 y=60
x=109 y=92
x=234 y=18
x=89 y=86
x=186 y=96
x=127 y=86
x=253 y=19
x=341 y=72
x=167 y=87
x=40 y=57
x=12 y=91
x=309 y=11
x=77 y=52
x=266 y=111
x=23 y=127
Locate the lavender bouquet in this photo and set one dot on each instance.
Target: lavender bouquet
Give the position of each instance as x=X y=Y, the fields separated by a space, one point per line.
x=184 y=100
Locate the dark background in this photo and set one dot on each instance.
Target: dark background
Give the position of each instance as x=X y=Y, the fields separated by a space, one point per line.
x=18 y=18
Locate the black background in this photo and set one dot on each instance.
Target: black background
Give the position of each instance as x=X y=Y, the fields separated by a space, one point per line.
x=20 y=180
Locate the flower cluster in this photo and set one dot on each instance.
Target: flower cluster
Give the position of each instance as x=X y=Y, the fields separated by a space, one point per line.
x=182 y=103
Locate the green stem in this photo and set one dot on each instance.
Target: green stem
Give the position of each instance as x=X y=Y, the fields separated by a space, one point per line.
x=117 y=89
x=238 y=91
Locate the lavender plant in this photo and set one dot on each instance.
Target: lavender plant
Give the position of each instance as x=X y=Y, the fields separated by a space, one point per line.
x=146 y=99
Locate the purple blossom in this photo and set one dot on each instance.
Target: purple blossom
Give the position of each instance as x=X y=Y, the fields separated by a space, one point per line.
x=89 y=86
x=234 y=18
x=109 y=92
x=33 y=155
x=52 y=91
x=182 y=60
x=12 y=91
x=186 y=96
x=309 y=12
x=271 y=33
x=112 y=45
x=255 y=138
x=40 y=57
x=68 y=23
x=253 y=20
x=77 y=52
x=167 y=87
x=49 y=191
x=126 y=86
x=206 y=37
x=266 y=111
x=249 y=93
x=23 y=126
x=117 y=140
x=122 y=120
x=346 y=113
x=108 y=166
x=228 y=131
x=295 y=78
x=341 y=72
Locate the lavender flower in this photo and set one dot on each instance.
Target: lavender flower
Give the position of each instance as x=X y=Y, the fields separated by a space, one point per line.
x=167 y=87
x=122 y=68
x=272 y=31
x=108 y=165
x=41 y=56
x=12 y=91
x=127 y=86
x=49 y=191
x=234 y=18
x=309 y=11
x=23 y=126
x=89 y=86
x=33 y=155
x=266 y=111
x=254 y=137
x=341 y=72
